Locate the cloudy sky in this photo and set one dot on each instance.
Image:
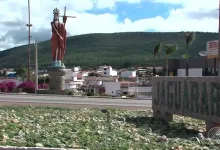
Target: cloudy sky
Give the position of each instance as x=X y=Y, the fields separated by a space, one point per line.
x=105 y=16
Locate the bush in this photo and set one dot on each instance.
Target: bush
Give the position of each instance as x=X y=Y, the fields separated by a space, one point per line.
x=43 y=86
x=3 y=87
x=10 y=85
x=69 y=92
x=28 y=87
x=90 y=94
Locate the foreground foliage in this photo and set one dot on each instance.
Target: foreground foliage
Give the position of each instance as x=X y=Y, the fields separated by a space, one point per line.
x=86 y=128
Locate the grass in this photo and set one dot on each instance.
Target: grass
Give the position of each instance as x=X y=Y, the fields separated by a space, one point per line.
x=88 y=128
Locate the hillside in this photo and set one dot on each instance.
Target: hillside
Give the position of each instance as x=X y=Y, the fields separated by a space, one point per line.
x=116 y=49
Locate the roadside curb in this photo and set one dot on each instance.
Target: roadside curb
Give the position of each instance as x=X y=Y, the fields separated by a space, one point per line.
x=79 y=96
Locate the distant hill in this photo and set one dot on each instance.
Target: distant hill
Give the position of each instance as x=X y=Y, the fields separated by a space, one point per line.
x=115 y=49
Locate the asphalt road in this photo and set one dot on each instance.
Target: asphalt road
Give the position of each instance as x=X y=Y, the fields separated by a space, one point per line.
x=73 y=102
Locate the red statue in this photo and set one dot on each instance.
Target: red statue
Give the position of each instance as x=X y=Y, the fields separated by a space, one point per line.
x=58 y=36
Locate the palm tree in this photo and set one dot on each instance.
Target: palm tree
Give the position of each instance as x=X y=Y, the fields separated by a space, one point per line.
x=169 y=50
x=189 y=38
x=156 y=50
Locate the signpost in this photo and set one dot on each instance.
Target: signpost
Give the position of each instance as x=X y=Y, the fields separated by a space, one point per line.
x=212 y=49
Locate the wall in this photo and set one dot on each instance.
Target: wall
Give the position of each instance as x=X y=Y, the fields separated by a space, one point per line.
x=111 y=88
x=127 y=74
x=195 y=72
x=139 y=90
x=69 y=74
x=197 y=97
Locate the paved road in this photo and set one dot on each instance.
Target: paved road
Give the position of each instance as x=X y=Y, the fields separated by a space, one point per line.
x=74 y=102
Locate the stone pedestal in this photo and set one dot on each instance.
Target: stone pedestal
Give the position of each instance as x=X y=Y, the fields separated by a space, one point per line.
x=56 y=78
x=56 y=81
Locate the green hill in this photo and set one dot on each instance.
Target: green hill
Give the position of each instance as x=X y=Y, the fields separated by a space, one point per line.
x=115 y=49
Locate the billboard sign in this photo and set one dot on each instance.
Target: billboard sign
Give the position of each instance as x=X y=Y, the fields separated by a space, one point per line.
x=212 y=49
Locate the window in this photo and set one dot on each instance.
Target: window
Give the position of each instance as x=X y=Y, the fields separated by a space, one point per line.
x=104 y=72
x=104 y=69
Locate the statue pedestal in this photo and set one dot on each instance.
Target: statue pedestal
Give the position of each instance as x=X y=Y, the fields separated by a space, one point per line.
x=56 y=81
x=56 y=78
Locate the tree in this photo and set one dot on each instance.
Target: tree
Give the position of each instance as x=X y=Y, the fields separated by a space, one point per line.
x=93 y=74
x=169 y=50
x=156 y=50
x=21 y=71
x=4 y=74
x=189 y=38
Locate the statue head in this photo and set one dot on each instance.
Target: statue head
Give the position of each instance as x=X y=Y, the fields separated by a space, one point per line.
x=56 y=13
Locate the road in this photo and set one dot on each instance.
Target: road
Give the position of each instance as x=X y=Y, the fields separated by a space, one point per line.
x=73 y=102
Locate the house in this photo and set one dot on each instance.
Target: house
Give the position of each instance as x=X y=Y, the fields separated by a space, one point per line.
x=125 y=86
x=71 y=80
x=91 y=80
x=96 y=89
x=112 y=88
x=107 y=71
x=128 y=74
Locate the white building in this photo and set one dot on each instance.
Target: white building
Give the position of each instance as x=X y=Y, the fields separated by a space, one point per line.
x=128 y=73
x=112 y=88
x=107 y=71
x=77 y=69
x=193 y=72
x=71 y=80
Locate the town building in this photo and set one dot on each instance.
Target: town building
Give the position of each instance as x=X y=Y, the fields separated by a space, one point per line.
x=107 y=71
x=128 y=74
x=197 y=67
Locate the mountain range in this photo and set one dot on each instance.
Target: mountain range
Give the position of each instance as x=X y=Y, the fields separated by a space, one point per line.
x=115 y=49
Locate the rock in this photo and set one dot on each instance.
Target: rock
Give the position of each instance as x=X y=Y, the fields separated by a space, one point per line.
x=205 y=148
x=200 y=136
x=162 y=139
x=39 y=145
x=177 y=147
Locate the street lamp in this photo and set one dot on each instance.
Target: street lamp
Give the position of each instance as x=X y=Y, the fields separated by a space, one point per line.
x=36 y=64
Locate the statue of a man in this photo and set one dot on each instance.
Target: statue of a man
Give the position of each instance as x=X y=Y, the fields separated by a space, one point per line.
x=58 y=38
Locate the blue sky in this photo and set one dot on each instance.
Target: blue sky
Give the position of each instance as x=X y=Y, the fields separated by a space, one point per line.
x=105 y=16
x=138 y=11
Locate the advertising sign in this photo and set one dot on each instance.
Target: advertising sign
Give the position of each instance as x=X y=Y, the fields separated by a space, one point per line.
x=212 y=49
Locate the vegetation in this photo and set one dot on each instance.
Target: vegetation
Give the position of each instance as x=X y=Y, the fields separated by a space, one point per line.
x=21 y=72
x=156 y=51
x=189 y=38
x=96 y=129
x=169 y=50
x=116 y=49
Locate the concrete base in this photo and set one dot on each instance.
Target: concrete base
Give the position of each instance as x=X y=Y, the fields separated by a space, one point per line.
x=210 y=125
x=56 y=78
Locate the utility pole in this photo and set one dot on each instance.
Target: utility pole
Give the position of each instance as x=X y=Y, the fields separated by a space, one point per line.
x=36 y=68
x=36 y=64
x=29 y=39
x=219 y=39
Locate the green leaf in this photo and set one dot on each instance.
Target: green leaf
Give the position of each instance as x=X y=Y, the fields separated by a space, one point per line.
x=157 y=48
x=190 y=37
x=170 y=49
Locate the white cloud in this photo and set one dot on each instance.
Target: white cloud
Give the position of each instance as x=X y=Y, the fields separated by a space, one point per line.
x=186 y=18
